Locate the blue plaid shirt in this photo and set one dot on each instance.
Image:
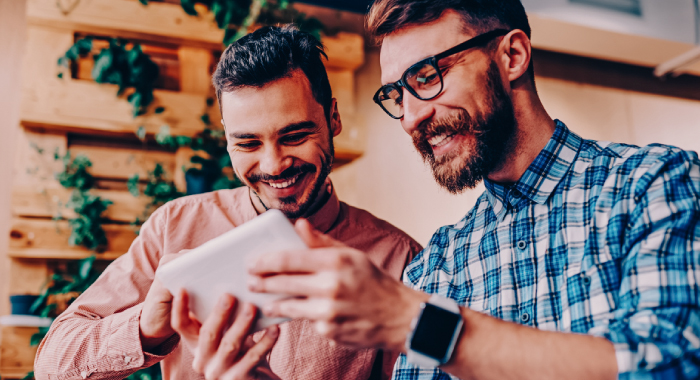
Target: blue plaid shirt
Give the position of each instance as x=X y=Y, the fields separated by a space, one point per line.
x=595 y=238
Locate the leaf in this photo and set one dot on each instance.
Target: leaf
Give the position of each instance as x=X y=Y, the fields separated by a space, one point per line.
x=159 y=110
x=141 y=133
x=144 y=2
x=86 y=266
x=132 y=185
x=188 y=6
x=210 y=102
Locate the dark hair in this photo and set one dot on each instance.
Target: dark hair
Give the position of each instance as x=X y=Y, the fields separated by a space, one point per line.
x=480 y=16
x=271 y=53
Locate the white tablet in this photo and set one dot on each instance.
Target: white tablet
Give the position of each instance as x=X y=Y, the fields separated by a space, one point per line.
x=220 y=265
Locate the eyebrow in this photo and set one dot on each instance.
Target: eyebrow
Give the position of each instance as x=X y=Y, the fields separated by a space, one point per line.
x=288 y=129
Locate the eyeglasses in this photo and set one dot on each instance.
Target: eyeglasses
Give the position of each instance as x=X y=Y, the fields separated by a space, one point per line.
x=424 y=79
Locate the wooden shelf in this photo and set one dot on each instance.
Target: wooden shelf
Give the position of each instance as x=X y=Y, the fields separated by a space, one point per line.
x=41 y=235
x=163 y=22
x=65 y=254
x=44 y=203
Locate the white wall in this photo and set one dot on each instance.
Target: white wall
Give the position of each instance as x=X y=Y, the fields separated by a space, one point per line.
x=12 y=30
x=391 y=181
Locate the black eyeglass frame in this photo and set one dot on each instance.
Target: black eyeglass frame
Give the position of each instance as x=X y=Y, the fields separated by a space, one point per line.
x=433 y=61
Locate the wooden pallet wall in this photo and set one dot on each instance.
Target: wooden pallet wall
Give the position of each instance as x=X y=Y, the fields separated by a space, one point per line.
x=78 y=115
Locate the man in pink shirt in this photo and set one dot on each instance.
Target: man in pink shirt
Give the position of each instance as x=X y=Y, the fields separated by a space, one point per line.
x=280 y=121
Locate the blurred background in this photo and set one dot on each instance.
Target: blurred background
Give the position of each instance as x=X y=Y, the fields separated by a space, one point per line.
x=107 y=112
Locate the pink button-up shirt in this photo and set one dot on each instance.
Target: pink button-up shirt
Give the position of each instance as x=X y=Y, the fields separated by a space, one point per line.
x=98 y=336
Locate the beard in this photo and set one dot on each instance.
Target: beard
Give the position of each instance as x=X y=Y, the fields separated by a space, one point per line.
x=494 y=136
x=293 y=207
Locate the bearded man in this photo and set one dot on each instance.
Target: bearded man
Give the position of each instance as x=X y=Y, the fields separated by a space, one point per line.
x=581 y=260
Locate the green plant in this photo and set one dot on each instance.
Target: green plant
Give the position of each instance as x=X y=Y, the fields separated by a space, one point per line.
x=128 y=68
x=158 y=188
x=86 y=226
x=61 y=289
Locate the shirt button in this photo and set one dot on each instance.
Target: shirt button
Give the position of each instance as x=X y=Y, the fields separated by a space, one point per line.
x=586 y=280
x=525 y=317
x=515 y=193
x=522 y=244
x=84 y=374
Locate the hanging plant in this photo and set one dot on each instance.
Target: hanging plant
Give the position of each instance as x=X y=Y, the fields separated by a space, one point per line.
x=86 y=226
x=158 y=189
x=128 y=68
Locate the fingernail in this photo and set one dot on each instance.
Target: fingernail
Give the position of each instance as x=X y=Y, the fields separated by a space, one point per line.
x=224 y=302
x=268 y=310
x=251 y=266
x=253 y=283
x=273 y=331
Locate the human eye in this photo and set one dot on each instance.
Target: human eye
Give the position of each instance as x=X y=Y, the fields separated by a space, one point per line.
x=247 y=145
x=295 y=138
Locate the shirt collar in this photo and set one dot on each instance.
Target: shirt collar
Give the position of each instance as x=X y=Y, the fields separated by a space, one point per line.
x=542 y=176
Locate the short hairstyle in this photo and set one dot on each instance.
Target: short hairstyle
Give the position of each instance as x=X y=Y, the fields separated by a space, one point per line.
x=271 y=53
x=479 y=16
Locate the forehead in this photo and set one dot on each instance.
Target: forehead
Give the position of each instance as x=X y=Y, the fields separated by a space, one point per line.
x=411 y=44
x=272 y=107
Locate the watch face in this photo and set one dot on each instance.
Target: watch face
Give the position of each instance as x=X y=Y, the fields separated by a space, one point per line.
x=433 y=334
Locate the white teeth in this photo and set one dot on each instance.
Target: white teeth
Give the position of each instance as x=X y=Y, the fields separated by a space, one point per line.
x=440 y=140
x=285 y=184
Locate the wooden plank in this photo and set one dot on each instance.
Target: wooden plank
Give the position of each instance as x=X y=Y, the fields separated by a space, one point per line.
x=345 y=51
x=83 y=106
x=77 y=105
x=123 y=163
x=16 y=355
x=343 y=87
x=165 y=22
x=41 y=255
x=34 y=164
x=53 y=235
x=130 y=19
x=195 y=77
x=48 y=202
x=27 y=277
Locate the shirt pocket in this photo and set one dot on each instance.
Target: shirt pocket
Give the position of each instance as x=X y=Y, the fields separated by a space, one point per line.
x=591 y=296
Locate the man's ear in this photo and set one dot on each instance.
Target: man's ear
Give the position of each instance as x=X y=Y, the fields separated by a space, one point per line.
x=517 y=50
x=336 y=124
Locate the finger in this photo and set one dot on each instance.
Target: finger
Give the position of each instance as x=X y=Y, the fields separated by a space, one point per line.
x=183 y=321
x=250 y=361
x=210 y=332
x=300 y=261
x=232 y=342
x=313 y=309
x=322 y=284
x=312 y=237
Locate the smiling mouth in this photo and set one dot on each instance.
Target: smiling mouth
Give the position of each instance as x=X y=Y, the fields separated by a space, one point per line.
x=285 y=183
x=441 y=140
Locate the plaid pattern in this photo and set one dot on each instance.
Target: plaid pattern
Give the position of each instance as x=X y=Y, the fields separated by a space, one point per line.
x=595 y=238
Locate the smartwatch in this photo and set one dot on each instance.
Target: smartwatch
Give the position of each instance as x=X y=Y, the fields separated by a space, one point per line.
x=434 y=332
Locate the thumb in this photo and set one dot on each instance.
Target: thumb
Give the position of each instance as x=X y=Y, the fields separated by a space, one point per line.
x=312 y=237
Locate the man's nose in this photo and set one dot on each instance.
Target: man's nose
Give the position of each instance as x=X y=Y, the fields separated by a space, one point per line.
x=274 y=162
x=415 y=111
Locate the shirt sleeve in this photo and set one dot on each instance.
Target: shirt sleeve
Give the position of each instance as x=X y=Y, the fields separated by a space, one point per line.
x=656 y=326
x=97 y=337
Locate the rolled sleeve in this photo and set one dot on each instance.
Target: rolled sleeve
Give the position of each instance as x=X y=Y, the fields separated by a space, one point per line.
x=656 y=325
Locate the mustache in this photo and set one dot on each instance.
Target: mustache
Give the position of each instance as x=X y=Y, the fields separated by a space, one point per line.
x=287 y=174
x=459 y=122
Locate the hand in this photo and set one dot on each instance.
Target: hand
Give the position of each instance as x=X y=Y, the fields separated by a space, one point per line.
x=351 y=300
x=154 y=322
x=224 y=356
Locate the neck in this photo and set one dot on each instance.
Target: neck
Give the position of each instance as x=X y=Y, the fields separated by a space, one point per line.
x=534 y=128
